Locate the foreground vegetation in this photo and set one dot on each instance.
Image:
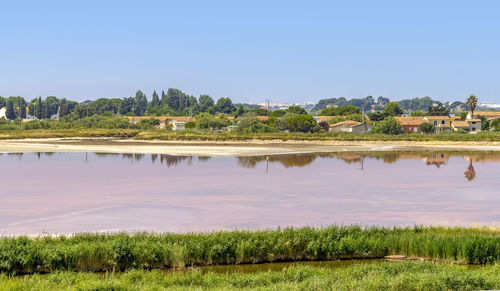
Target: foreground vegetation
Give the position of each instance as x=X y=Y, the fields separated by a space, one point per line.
x=113 y=252
x=380 y=276
x=194 y=135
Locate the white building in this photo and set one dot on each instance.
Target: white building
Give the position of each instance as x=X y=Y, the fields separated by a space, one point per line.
x=3 y=112
x=178 y=125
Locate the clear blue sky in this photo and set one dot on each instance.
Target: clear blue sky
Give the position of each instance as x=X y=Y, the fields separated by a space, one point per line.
x=251 y=50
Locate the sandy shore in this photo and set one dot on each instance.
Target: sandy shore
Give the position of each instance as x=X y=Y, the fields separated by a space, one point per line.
x=110 y=145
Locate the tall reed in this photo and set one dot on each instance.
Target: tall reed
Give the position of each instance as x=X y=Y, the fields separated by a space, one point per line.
x=107 y=252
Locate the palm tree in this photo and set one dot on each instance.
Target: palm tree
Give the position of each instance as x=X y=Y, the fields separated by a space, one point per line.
x=472 y=103
x=470 y=174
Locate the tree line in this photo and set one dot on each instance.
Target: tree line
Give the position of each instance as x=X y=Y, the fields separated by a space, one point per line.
x=175 y=102
x=369 y=103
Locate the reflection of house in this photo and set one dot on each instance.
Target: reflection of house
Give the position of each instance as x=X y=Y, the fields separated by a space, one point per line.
x=437 y=160
x=410 y=124
x=471 y=125
x=441 y=123
x=349 y=126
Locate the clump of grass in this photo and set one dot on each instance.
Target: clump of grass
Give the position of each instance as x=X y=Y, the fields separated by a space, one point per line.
x=381 y=276
x=117 y=252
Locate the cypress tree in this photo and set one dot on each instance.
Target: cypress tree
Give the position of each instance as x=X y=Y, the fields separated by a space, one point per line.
x=22 y=110
x=155 y=102
x=163 y=98
x=39 y=109
x=10 y=114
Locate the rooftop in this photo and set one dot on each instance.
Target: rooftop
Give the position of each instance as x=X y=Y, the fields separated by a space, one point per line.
x=410 y=120
x=347 y=123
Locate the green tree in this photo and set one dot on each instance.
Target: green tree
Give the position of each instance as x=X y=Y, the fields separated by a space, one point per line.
x=22 y=110
x=296 y=110
x=472 y=103
x=250 y=124
x=393 y=109
x=127 y=105
x=10 y=114
x=208 y=121
x=389 y=125
x=417 y=113
x=148 y=123
x=485 y=123
x=427 y=127
x=438 y=110
x=260 y=112
x=39 y=108
x=240 y=112
x=302 y=123
x=225 y=105
x=164 y=100
x=155 y=101
x=383 y=100
x=177 y=100
x=495 y=124
x=278 y=113
x=140 y=103
x=205 y=102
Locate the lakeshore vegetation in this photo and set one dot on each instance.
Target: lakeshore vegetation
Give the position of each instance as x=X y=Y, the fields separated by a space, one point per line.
x=196 y=135
x=379 y=276
x=120 y=252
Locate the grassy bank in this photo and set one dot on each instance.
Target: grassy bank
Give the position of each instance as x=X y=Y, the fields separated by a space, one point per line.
x=338 y=136
x=67 y=133
x=161 y=134
x=383 y=276
x=101 y=252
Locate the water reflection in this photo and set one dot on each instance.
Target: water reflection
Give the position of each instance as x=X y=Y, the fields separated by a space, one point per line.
x=430 y=158
x=73 y=192
x=470 y=173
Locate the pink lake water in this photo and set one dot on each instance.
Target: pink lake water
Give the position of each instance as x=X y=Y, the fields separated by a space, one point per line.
x=88 y=192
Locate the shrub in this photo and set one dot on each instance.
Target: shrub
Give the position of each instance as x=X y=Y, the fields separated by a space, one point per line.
x=342 y=111
x=278 y=113
x=209 y=121
x=388 y=126
x=296 y=110
x=302 y=123
x=427 y=127
x=324 y=125
x=148 y=123
x=495 y=124
x=190 y=125
x=253 y=125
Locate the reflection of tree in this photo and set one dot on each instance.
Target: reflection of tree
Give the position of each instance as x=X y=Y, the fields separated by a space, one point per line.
x=249 y=162
x=390 y=157
x=437 y=160
x=470 y=173
x=288 y=161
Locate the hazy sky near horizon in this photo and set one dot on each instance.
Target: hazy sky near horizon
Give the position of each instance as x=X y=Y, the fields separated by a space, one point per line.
x=286 y=51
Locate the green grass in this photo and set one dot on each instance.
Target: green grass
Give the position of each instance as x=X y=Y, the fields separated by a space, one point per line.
x=117 y=252
x=340 y=136
x=383 y=276
x=66 y=133
x=161 y=134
